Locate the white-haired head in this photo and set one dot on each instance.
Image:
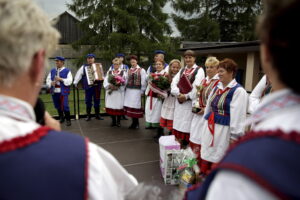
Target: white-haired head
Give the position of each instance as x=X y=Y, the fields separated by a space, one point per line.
x=24 y=30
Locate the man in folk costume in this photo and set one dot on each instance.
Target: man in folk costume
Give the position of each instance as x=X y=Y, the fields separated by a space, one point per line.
x=158 y=55
x=200 y=97
x=37 y=162
x=59 y=81
x=114 y=98
x=135 y=88
x=265 y=163
x=182 y=87
x=263 y=88
x=92 y=88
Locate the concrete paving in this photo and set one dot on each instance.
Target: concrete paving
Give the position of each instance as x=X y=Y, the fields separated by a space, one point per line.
x=134 y=149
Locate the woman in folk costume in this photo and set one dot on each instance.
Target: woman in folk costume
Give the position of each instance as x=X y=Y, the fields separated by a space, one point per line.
x=167 y=111
x=263 y=88
x=182 y=85
x=135 y=88
x=114 y=84
x=265 y=163
x=200 y=97
x=154 y=100
x=225 y=115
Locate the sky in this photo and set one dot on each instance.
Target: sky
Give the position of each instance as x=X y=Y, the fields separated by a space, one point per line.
x=55 y=7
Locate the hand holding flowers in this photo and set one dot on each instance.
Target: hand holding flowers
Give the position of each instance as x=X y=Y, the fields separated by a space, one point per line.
x=115 y=82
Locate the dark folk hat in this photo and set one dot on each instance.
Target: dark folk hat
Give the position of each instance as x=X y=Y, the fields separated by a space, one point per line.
x=90 y=55
x=60 y=58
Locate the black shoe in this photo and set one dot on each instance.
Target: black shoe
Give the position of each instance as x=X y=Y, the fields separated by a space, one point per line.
x=88 y=112
x=119 y=121
x=137 y=123
x=159 y=133
x=123 y=117
x=131 y=126
x=156 y=136
x=61 y=117
x=68 y=123
x=88 y=118
x=148 y=127
x=97 y=114
x=134 y=126
x=113 y=121
x=68 y=118
x=98 y=117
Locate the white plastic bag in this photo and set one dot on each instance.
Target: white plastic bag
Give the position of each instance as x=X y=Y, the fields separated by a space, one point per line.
x=169 y=150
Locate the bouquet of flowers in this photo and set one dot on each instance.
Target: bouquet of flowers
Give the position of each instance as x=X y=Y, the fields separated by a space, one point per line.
x=116 y=81
x=159 y=84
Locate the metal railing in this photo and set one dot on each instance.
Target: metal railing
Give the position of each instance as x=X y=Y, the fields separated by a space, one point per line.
x=77 y=103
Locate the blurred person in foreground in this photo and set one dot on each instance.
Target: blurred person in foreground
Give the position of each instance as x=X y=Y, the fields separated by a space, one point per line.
x=263 y=88
x=37 y=162
x=265 y=163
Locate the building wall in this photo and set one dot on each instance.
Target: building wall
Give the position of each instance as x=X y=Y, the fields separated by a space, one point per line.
x=250 y=75
x=68 y=28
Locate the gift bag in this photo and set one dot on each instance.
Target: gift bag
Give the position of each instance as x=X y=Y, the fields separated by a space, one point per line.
x=188 y=171
x=169 y=150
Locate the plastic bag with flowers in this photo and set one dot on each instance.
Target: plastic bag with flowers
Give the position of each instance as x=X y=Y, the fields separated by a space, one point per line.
x=159 y=84
x=116 y=82
x=188 y=172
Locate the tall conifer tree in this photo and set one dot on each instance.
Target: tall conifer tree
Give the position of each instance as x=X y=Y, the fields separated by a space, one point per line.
x=216 y=20
x=134 y=26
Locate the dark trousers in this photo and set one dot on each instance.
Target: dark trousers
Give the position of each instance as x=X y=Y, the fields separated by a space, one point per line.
x=61 y=102
x=92 y=94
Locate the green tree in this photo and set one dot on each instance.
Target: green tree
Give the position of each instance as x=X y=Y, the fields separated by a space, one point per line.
x=248 y=10
x=216 y=20
x=130 y=26
x=193 y=20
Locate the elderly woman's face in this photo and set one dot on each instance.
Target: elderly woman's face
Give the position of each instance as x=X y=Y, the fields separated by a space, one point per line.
x=224 y=75
x=189 y=60
x=211 y=71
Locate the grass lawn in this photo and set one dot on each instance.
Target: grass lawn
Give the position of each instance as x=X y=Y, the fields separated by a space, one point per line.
x=47 y=99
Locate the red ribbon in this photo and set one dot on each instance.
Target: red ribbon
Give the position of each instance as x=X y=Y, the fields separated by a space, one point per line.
x=220 y=91
x=151 y=98
x=62 y=102
x=211 y=126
